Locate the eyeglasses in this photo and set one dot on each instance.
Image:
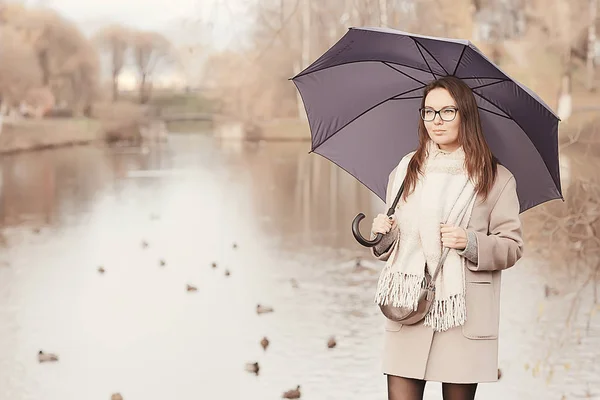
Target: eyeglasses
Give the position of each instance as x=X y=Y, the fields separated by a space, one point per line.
x=447 y=114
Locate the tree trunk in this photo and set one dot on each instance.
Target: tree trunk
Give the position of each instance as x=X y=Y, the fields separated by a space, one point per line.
x=115 y=86
x=591 y=46
x=565 y=101
x=383 y=13
x=43 y=60
x=305 y=33
x=142 y=88
x=2 y=107
x=305 y=52
x=299 y=103
x=76 y=108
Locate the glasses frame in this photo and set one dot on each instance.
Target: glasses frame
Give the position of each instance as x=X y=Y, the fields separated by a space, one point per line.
x=438 y=112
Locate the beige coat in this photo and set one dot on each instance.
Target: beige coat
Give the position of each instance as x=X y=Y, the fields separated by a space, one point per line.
x=466 y=354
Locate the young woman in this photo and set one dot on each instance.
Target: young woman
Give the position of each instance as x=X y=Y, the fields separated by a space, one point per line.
x=452 y=172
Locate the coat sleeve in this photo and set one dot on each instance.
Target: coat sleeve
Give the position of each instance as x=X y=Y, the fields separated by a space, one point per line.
x=502 y=246
x=383 y=249
x=470 y=251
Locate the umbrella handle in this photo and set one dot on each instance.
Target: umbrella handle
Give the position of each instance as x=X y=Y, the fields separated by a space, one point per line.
x=359 y=238
x=356 y=232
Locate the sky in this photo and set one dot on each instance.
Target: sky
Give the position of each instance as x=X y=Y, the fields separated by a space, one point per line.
x=221 y=20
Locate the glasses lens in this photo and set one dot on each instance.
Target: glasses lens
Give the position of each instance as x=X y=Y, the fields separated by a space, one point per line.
x=448 y=114
x=427 y=114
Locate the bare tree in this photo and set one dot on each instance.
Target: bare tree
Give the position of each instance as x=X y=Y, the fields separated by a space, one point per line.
x=80 y=76
x=150 y=49
x=591 y=44
x=64 y=55
x=568 y=234
x=115 y=40
x=554 y=27
x=19 y=71
x=190 y=49
x=303 y=62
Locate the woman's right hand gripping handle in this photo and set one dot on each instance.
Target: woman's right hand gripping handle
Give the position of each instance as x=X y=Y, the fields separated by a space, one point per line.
x=383 y=224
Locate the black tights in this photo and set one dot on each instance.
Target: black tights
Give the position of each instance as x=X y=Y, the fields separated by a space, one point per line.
x=412 y=389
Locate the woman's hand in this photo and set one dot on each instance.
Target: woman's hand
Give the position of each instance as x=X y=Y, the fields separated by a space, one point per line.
x=383 y=224
x=453 y=237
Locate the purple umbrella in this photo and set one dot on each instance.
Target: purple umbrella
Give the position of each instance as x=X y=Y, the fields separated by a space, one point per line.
x=362 y=98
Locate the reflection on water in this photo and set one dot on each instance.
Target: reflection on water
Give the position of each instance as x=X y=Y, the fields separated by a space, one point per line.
x=136 y=330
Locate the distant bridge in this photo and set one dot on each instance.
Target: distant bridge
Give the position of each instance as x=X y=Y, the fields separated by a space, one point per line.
x=188 y=117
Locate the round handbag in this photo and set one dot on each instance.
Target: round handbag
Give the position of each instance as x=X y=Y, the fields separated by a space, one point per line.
x=407 y=315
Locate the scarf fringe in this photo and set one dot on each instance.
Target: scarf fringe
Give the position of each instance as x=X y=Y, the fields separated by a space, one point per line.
x=447 y=313
x=398 y=289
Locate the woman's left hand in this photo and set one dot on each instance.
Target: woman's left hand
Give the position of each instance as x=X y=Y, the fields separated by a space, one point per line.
x=453 y=237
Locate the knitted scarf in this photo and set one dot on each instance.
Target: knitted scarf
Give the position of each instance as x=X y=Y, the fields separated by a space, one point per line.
x=443 y=193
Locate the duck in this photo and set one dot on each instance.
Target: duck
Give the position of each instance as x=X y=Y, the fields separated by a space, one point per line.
x=227 y=273
x=331 y=343
x=292 y=394
x=46 y=357
x=359 y=267
x=253 y=367
x=550 y=291
x=214 y=264
x=116 y=396
x=235 y=245
x=264 y=343
x=101 y=269
x=162 y=262
x=144 y=244
x=357 y=262
x=191 y=288
x=263 y=309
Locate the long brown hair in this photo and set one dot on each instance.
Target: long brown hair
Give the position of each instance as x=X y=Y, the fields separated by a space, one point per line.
x=480 y=163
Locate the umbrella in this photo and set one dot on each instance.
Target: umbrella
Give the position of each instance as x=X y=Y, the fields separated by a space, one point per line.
x=363 y=94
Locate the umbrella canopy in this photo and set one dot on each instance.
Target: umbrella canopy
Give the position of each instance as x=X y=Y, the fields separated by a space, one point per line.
x=362 y=98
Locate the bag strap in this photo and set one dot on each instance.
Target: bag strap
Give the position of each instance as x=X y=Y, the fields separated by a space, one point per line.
x=438 y=268
x=391 y=212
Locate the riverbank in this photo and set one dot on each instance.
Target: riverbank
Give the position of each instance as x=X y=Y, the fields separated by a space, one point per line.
x=28 y=135
x=273 y=131
x=291 y=129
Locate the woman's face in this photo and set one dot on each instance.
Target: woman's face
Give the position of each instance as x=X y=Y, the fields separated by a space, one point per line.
x=442 y=126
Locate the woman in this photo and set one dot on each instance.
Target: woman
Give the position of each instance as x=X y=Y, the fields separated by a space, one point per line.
x=452 y=173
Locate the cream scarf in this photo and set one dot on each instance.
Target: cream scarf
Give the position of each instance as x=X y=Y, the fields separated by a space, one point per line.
x=444 y=192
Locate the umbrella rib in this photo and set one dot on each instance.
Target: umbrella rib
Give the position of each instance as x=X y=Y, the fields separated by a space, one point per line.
x=459 y=60
x=431 y=55
x=423 y=57
x=489 y=84
x=356 y=62
x=407 y=98
x=495 y=113
x=483 y=77
x=363 y=113
x=501 y=110
x=405 y=74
